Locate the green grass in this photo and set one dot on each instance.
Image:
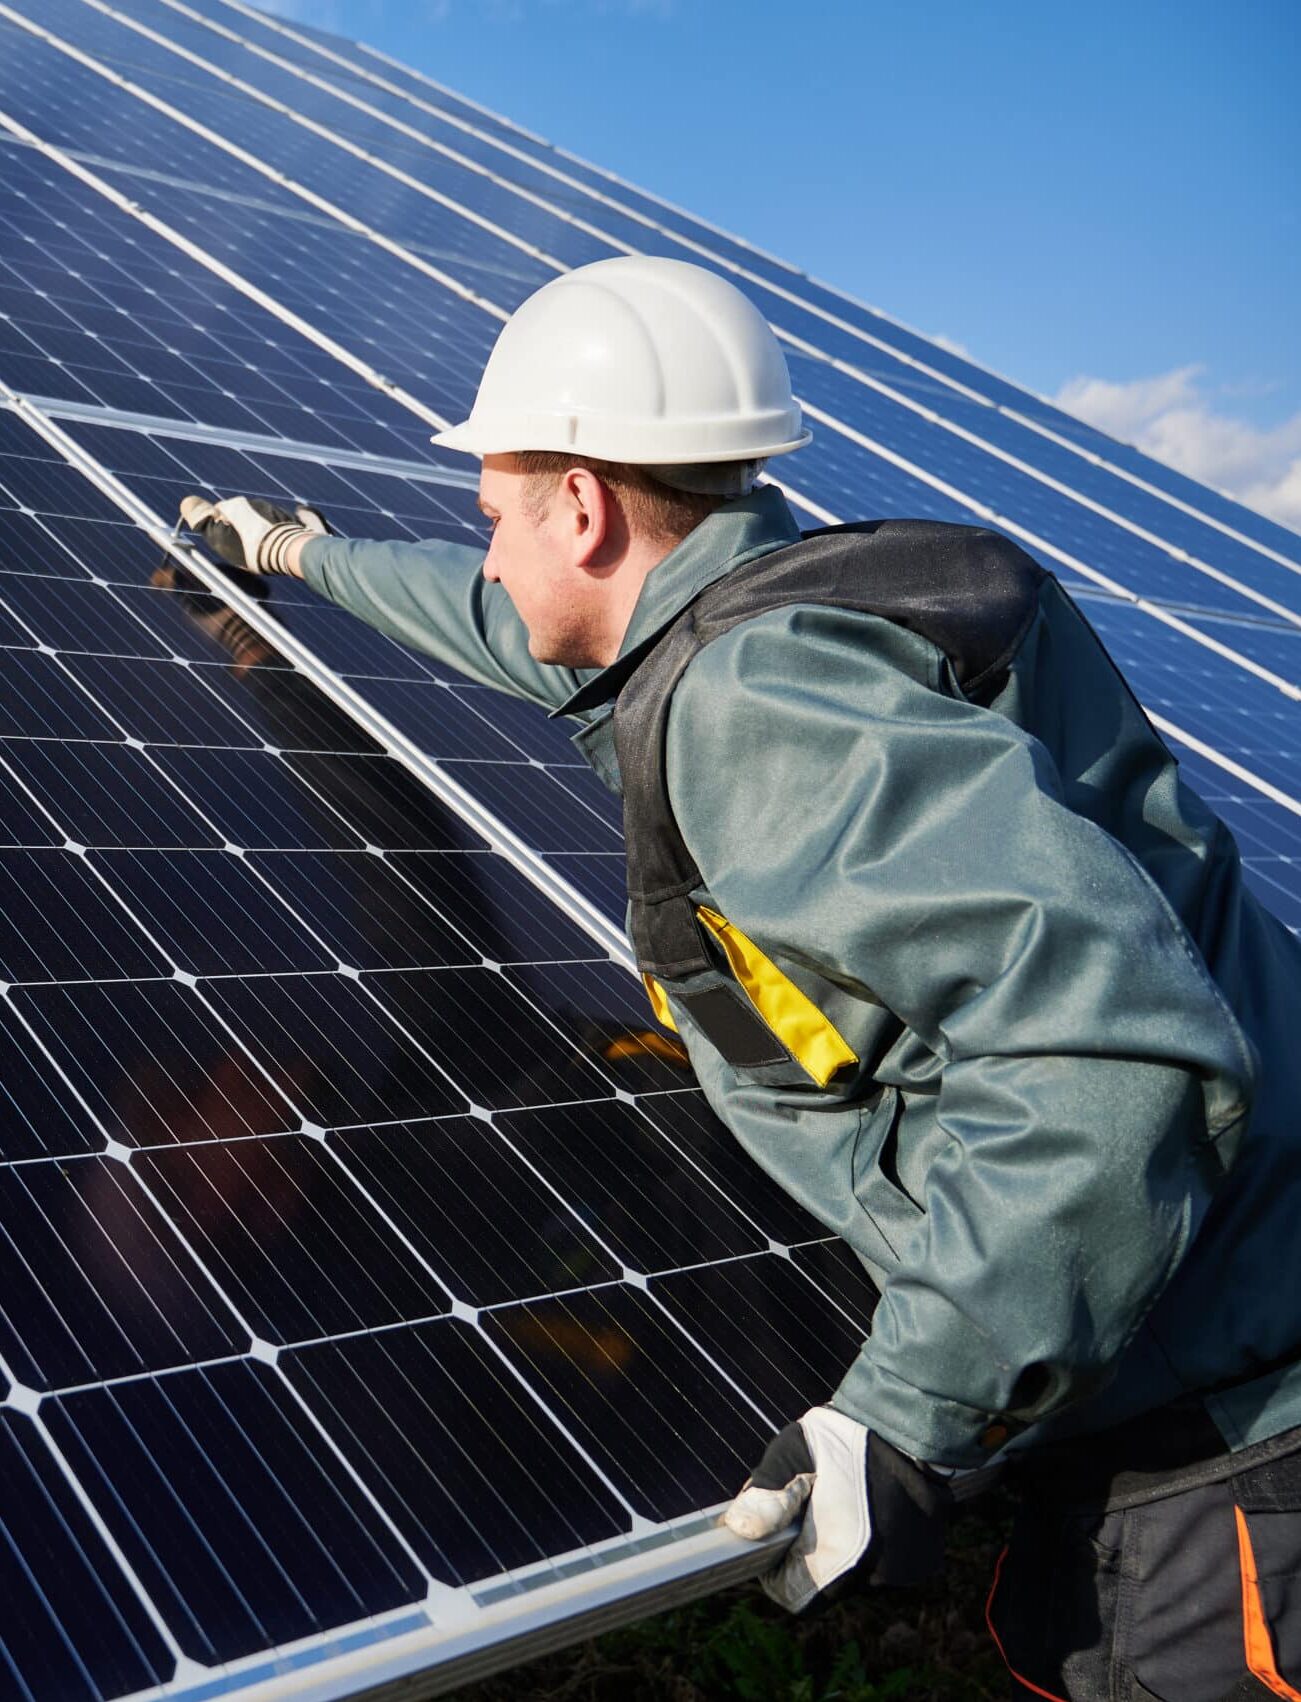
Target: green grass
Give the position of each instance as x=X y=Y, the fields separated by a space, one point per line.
x=881 y=1646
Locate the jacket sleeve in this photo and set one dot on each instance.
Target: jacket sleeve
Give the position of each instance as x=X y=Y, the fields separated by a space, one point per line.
x=433 y=597
x=860 y=818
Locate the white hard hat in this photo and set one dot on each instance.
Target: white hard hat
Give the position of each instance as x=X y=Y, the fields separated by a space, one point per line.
x=648 y=361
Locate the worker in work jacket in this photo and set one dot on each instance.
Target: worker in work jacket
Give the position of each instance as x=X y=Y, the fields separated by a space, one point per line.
x=956 y=956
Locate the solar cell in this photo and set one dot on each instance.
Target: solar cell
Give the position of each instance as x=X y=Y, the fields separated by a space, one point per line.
x=217 y=915
x=59 y=922
x=282 y=1229
x=107 y=795
x=40 y=698
x=41 y=1119
x=649 y=1206
x=839 y=1274
x=360 y=906
x=668 y=1431
x=493 y=906
x=500 y=1049
x=601 y=1008
x=367 y=1254
x=773 y=1360
x=132 y=1300
x=598 y=875
x=75 y=617
x=685 y=1122
x=1245 y=717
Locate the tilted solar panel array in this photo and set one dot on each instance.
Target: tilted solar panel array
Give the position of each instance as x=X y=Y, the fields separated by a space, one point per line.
x=368 y=1268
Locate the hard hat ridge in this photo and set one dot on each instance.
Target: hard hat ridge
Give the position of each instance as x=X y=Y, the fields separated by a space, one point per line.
x=648 y=361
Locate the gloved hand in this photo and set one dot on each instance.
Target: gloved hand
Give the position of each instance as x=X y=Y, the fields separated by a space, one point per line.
x=250 y=533
x=866 y=1507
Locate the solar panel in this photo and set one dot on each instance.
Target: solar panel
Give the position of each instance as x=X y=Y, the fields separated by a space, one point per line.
x=365 y=1258
x=244 y=1057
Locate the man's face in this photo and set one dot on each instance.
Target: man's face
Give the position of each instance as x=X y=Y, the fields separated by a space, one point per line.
x=538 y=557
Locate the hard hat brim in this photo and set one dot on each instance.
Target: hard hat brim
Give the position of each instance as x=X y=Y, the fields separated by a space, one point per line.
x=469 y=439
x=458 y=437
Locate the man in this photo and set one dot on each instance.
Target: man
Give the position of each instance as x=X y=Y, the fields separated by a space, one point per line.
x=955 y=955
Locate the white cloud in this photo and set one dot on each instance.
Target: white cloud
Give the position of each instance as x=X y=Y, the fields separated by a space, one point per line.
x=1174 y=416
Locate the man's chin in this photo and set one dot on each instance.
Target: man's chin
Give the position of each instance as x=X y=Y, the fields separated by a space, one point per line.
x=557 y=654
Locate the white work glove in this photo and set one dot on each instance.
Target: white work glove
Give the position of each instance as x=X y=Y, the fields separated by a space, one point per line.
x=249 y=533
x=864 y=1505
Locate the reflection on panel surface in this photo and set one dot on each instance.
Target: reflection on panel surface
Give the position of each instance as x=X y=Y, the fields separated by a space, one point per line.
x=653 y=1412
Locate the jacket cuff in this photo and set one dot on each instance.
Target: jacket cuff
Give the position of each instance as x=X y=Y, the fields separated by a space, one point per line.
x=927 y=1427
x=312 y=562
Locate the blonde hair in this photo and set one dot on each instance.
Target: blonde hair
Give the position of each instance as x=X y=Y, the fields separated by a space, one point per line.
x=649 y=507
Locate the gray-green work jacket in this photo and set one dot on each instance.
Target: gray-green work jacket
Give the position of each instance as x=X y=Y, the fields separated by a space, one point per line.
x=1068 y=1151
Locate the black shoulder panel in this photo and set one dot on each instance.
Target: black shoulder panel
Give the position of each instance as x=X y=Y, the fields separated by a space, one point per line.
x=971 y=592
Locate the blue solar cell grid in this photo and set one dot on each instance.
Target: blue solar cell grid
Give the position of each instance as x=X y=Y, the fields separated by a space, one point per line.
x=364 y=1255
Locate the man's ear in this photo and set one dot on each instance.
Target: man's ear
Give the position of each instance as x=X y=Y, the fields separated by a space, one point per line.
x=586 y=505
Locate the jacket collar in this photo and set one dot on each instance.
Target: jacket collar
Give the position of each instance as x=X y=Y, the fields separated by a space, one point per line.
x=735 y=533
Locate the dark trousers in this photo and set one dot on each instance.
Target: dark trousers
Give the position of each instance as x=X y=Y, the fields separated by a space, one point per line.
x=1188 y=1596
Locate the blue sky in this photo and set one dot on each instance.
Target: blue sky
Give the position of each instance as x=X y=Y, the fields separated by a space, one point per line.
x=1100 y=200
